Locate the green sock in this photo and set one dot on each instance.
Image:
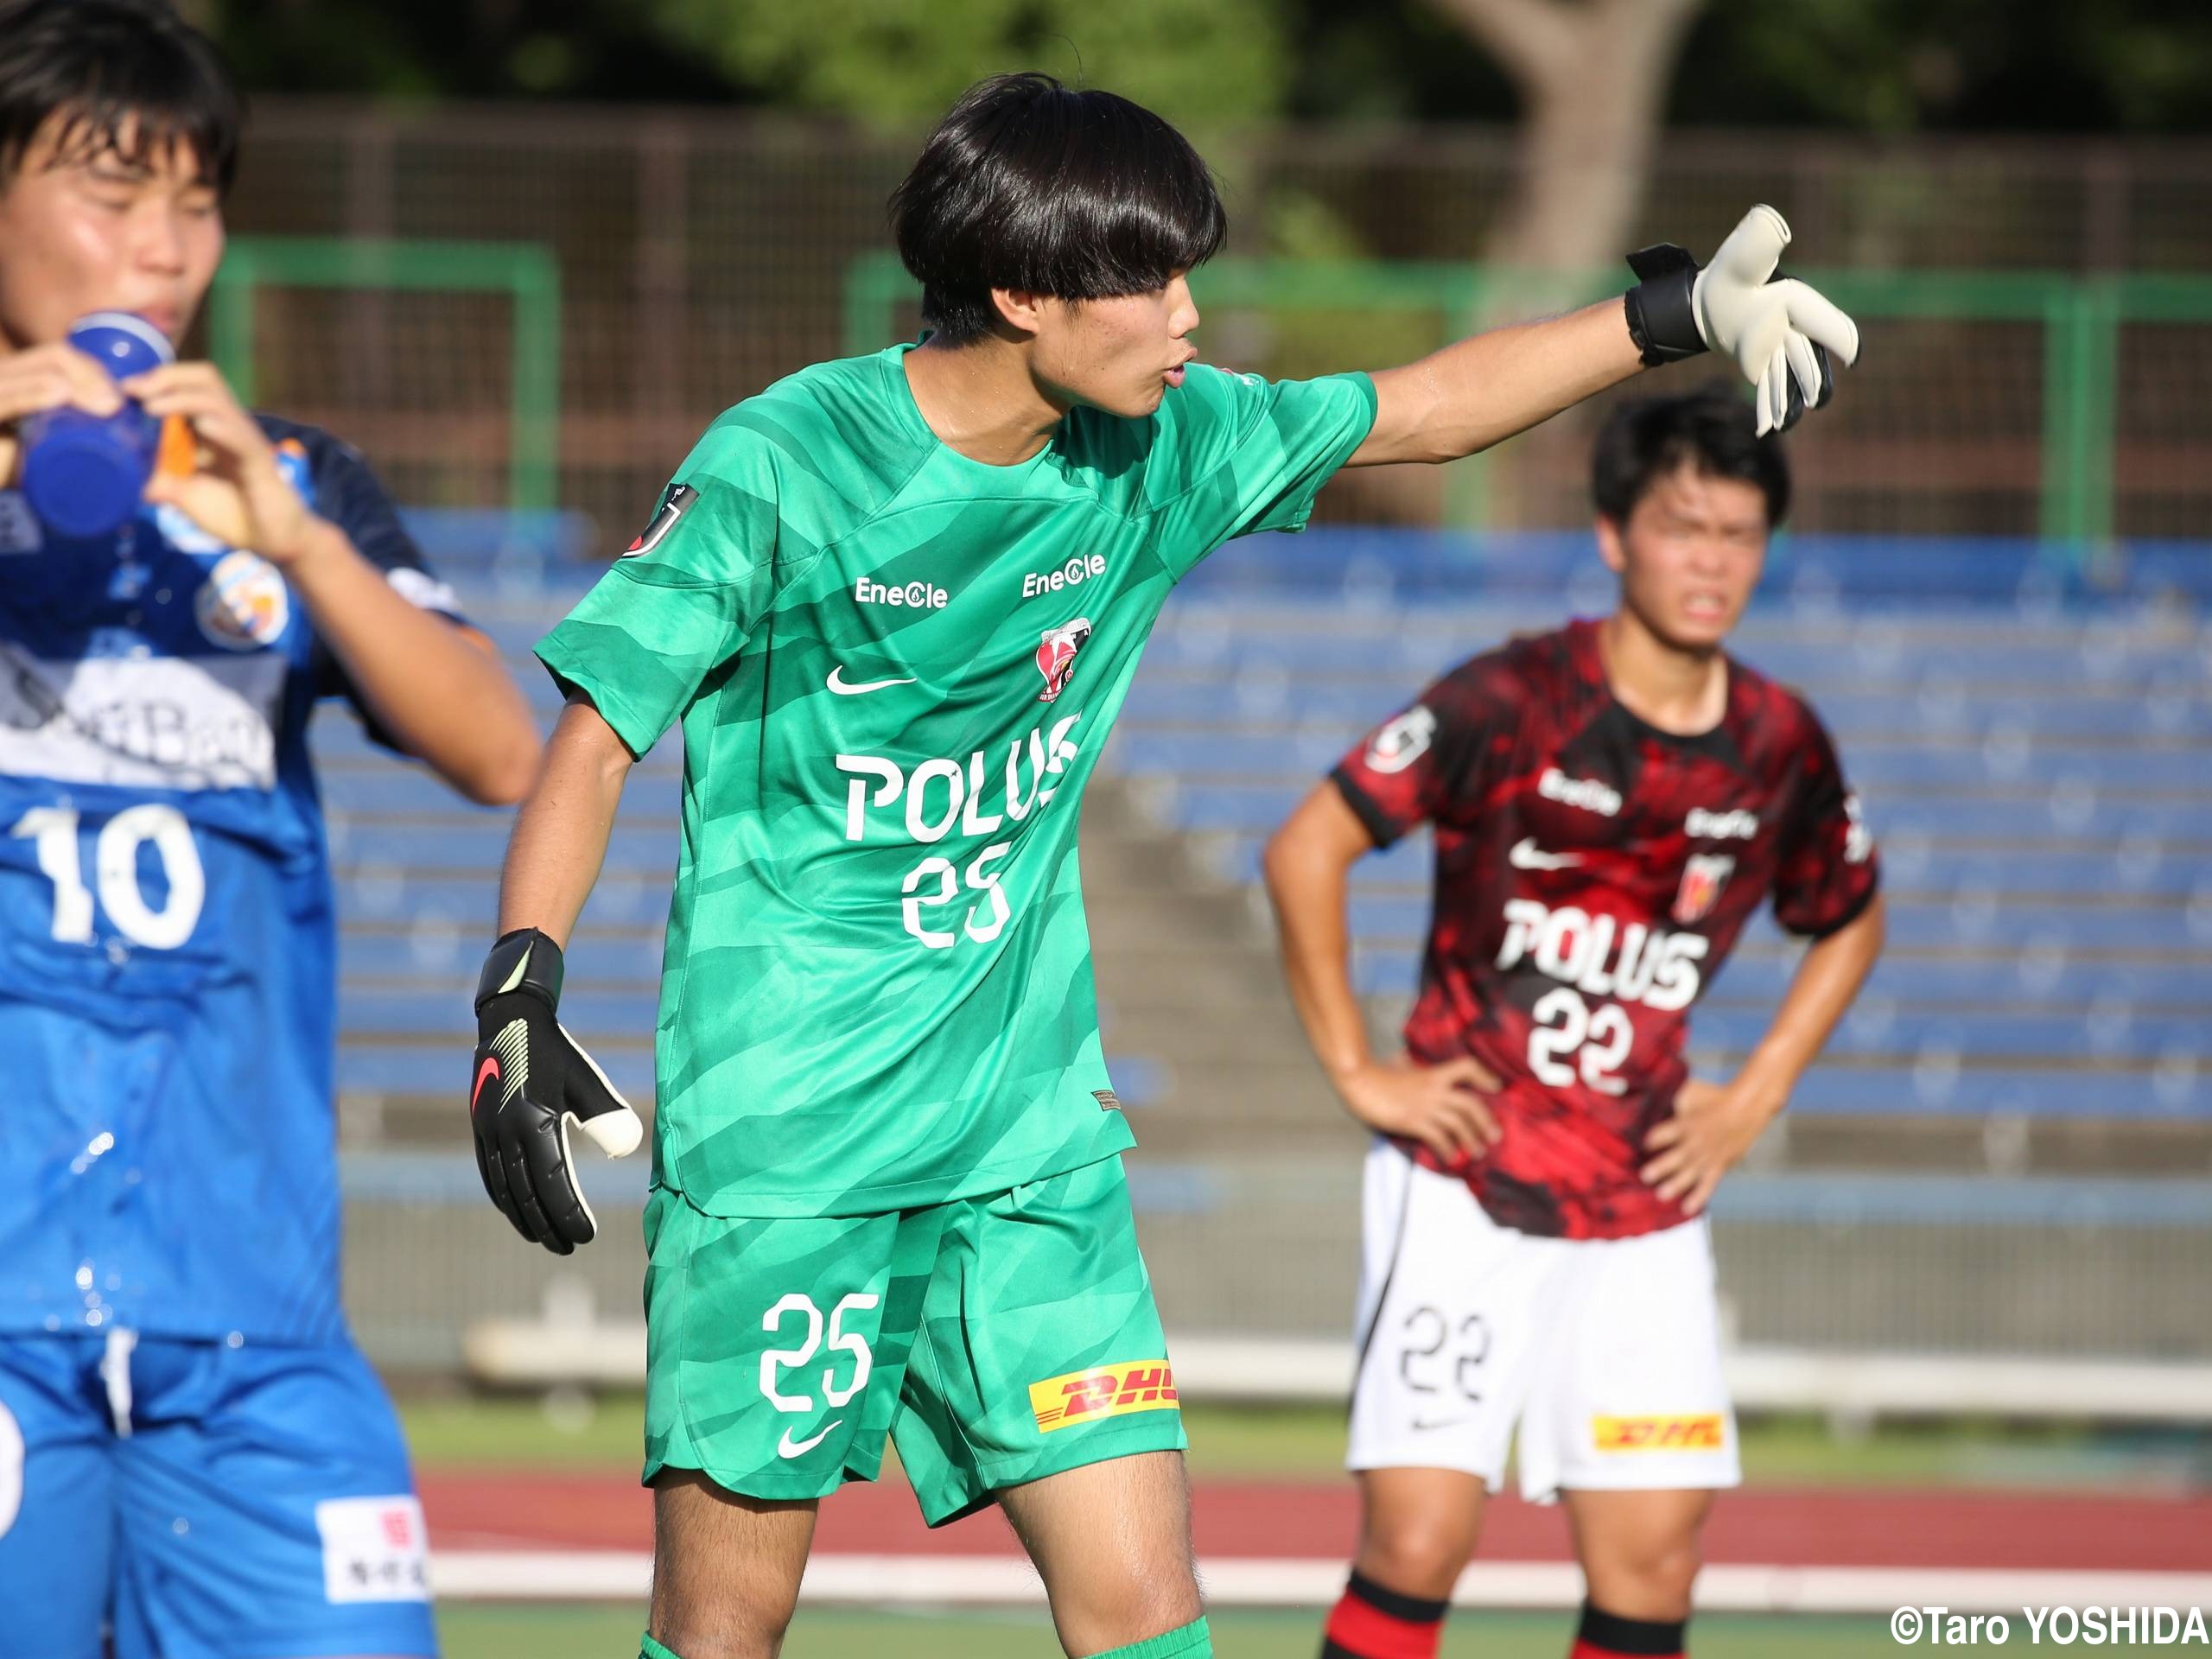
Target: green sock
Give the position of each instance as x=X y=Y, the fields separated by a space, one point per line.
x=650 y=1649
x=1190 y=1641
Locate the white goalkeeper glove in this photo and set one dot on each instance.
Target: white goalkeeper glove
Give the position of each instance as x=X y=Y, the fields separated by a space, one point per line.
x=1779 y=332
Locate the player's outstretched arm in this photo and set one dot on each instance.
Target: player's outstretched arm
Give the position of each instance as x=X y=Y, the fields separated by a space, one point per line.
x=531 y=1079
x=1482 y=390
x=1308 y=863
x=1715 y=1124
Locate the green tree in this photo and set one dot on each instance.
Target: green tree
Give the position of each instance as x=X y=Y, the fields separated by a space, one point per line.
x=1899 y=66
x=431 y=49
x=1884 y=66
x=899 y=61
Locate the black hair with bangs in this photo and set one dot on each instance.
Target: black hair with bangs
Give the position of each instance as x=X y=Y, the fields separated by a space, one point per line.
x=126 y=76
x=1027 y=184
x=1711 y=430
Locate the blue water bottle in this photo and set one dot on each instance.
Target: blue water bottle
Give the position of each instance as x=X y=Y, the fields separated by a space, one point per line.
x=85 y=474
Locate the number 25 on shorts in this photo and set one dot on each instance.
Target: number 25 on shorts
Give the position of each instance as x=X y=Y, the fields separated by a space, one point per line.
x=777 y=1360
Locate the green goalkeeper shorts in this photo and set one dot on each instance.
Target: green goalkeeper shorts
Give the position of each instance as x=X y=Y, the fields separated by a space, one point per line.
x=996 y=1340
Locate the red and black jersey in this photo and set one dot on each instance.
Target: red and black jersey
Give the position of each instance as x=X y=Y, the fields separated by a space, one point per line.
x=1593 y=872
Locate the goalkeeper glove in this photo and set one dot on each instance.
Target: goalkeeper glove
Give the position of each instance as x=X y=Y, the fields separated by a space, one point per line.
x=1779 y=331
x=531 y=1081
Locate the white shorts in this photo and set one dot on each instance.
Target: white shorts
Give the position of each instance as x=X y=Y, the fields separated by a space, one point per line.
x=1606 y=1351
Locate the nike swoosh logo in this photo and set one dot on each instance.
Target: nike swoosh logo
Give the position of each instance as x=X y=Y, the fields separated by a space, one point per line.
x=1420 y=1425
x=787 y=1448
x=489 y=1069
x=837 y=683
x=1526 y=856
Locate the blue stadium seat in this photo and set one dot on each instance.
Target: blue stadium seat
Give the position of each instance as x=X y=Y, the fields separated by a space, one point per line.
x=2062 y=799
x=1820 y=574
x=640 y=846
x=410 y=1014
x=468 y=902
x=1945 y=716
x=1935 y=1088
x=441 y=1068
x=1946 y=711
x=372 y=785
x=1322 y=638
x=430 y=946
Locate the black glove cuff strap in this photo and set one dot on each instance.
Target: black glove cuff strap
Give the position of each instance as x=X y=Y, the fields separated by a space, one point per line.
x=524 y=960
x=1661 y=318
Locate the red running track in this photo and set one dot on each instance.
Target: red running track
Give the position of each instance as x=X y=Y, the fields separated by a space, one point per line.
x=2026 y=1529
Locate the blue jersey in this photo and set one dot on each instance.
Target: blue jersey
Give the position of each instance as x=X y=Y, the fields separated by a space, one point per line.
x=168 y=953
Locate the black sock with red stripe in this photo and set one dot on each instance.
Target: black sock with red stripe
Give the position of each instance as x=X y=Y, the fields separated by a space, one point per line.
x=1608 y=1635
x=1369 y=1622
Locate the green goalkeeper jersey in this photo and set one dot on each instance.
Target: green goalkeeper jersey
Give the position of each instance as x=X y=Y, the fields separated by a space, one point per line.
x=895 y=667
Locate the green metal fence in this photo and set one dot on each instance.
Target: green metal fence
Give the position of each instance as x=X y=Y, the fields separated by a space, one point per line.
x=527 y=273
x=2079 y=321
x=2008 y=399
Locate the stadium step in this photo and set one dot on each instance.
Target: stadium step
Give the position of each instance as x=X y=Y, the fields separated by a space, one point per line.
x=1301 y=1116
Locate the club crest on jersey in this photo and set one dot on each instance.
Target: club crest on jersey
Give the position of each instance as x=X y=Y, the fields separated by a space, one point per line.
x=1056 y=656
x=678 y=499
x=244 y=604
x=1702 y=879
x=1402 y=742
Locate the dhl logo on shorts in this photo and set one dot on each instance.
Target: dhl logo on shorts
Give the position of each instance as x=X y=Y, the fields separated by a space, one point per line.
x=1700 y=1434
x=1103 y=1391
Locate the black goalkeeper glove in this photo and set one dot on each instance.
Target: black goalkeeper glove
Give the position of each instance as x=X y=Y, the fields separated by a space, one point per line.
x=531 y=1081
